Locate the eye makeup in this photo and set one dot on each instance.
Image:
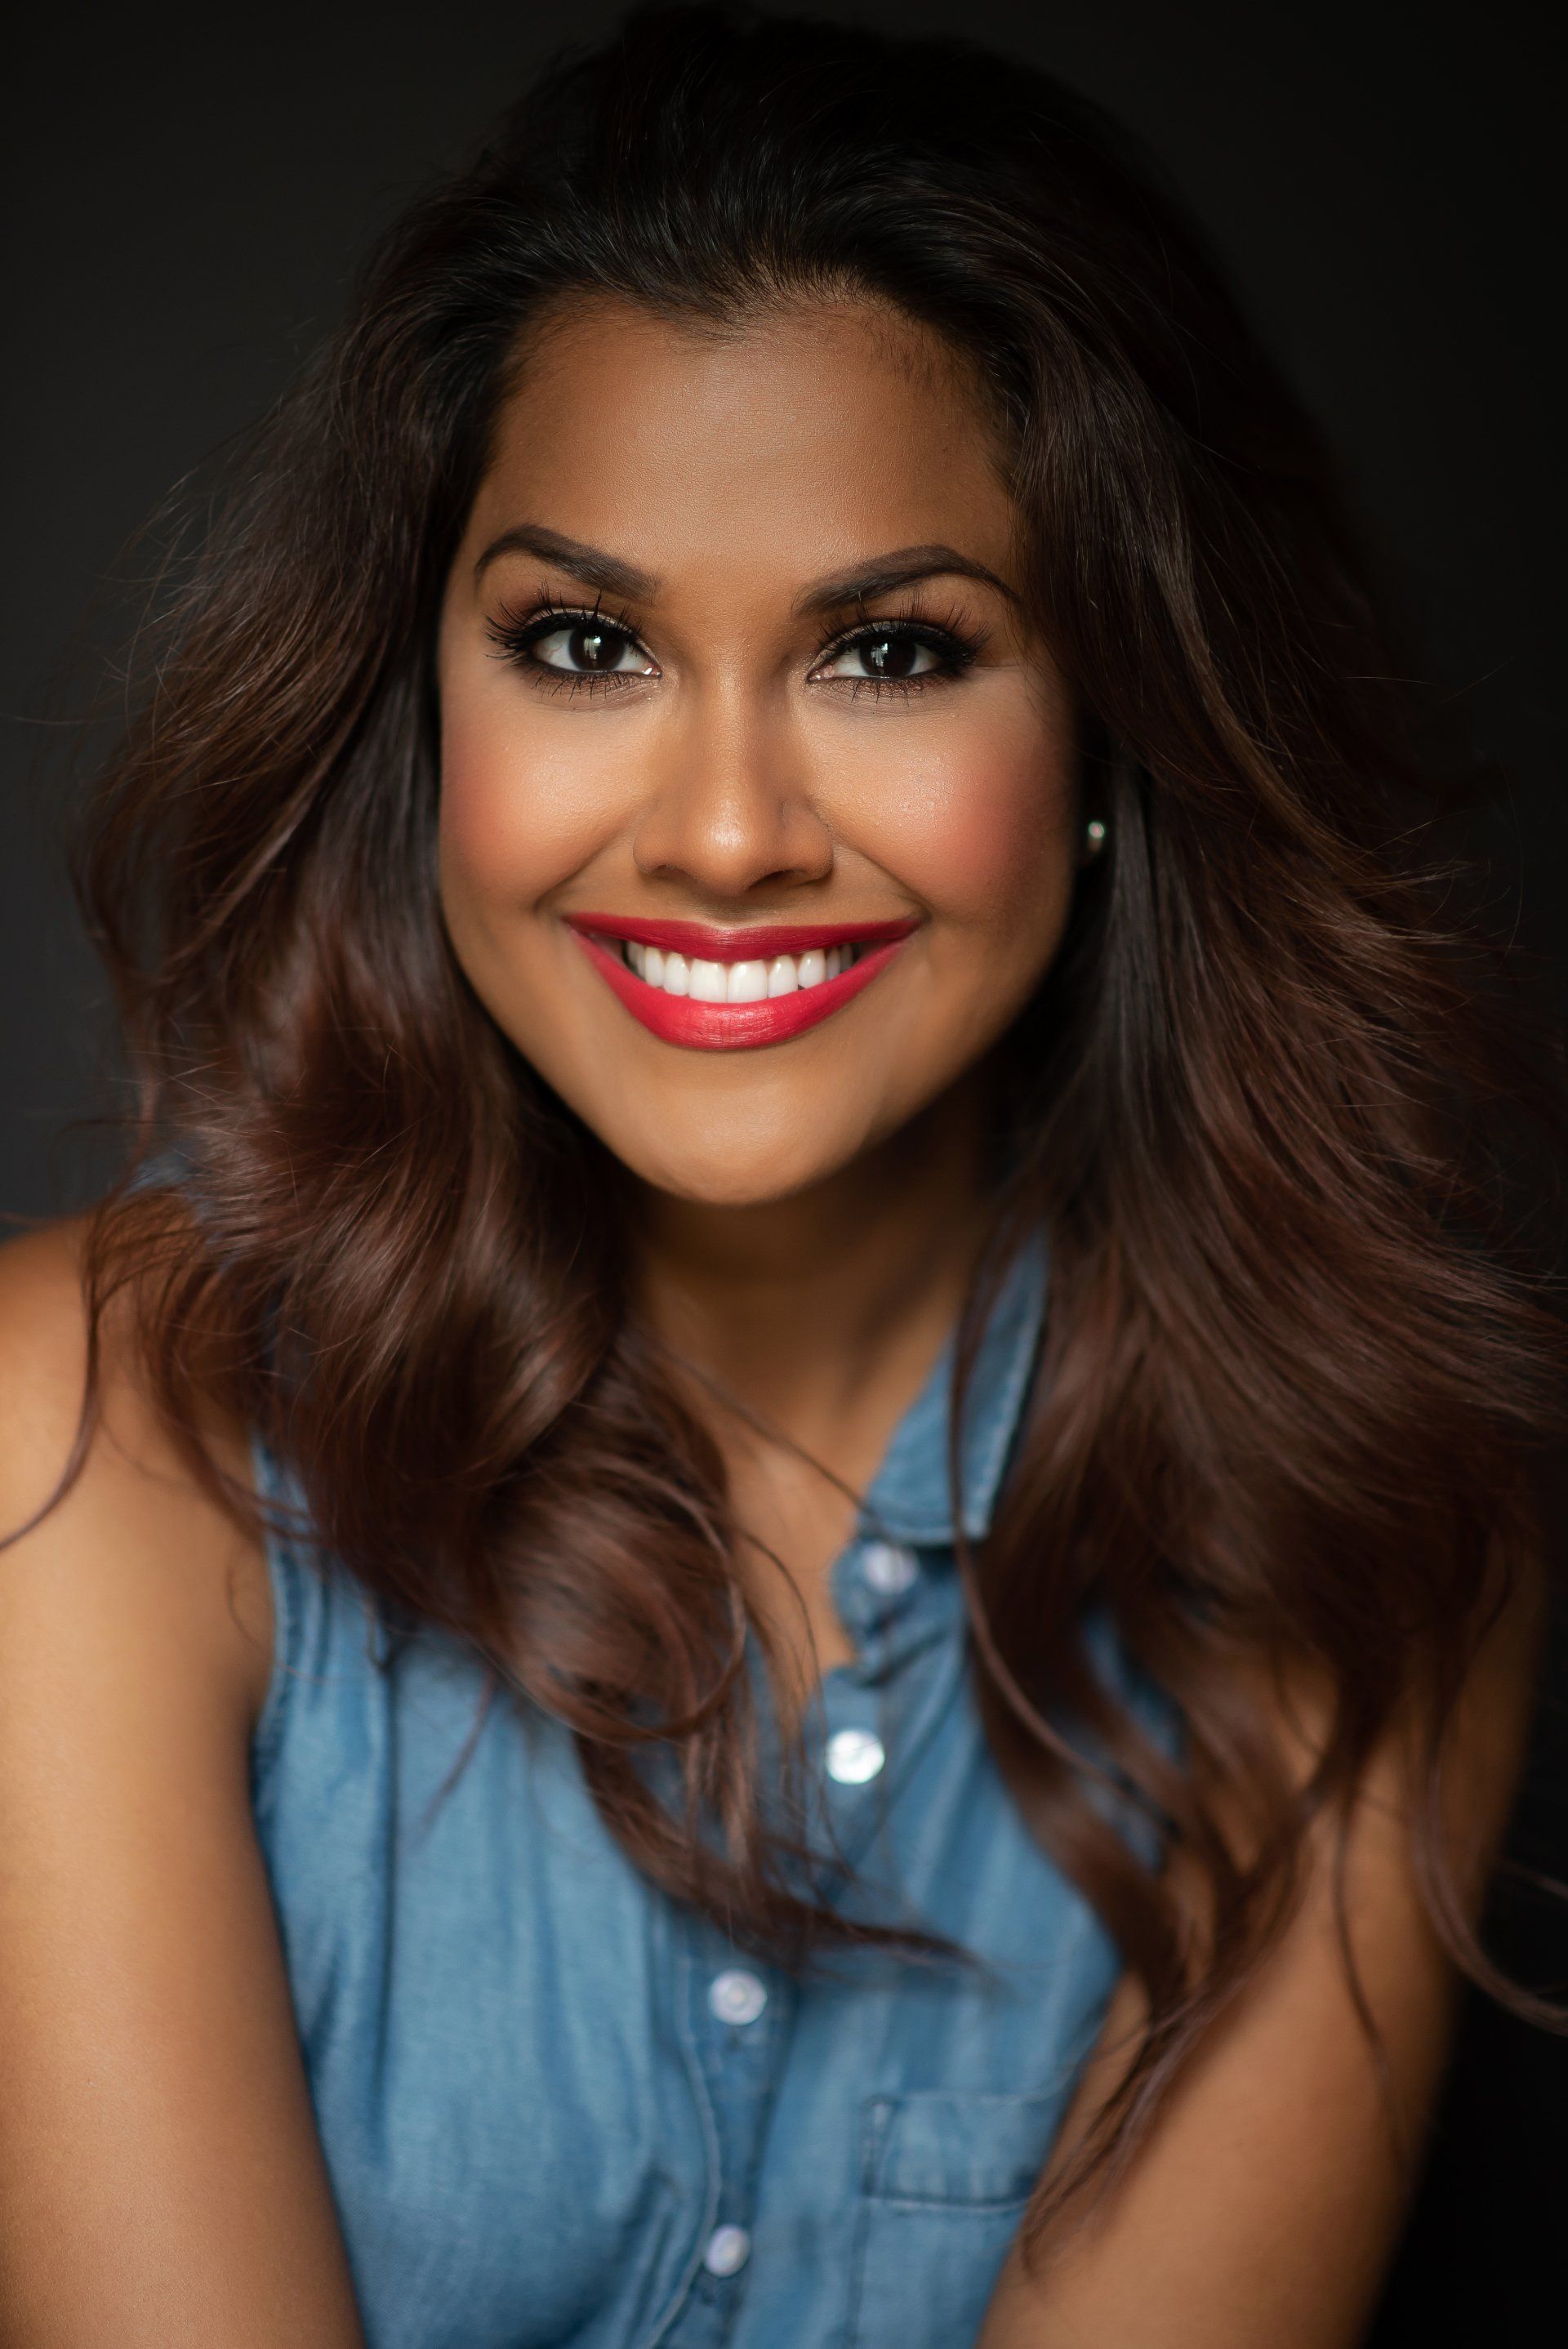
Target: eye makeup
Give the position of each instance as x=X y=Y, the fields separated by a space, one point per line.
x=888 y=643
x=903 y=653
x=596 y=642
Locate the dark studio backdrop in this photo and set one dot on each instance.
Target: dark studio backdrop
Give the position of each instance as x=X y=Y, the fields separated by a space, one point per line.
x=188 y=193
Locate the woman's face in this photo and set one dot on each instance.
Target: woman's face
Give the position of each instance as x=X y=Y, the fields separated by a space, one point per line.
x=758 y=814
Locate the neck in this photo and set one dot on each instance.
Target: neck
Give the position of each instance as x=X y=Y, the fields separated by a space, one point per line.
x=821 y=1313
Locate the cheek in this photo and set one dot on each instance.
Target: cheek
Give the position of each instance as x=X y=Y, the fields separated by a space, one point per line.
x=483 y=827
x=983 y=831
x=516 y=817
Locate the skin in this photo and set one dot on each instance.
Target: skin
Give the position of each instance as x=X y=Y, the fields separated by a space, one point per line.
x=805 y=1215
x=740 y=777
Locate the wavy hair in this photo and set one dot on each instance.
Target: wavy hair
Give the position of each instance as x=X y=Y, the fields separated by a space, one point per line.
x=1298 y=1365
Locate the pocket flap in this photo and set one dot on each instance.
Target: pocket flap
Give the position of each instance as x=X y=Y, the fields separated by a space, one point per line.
x=938 y=2144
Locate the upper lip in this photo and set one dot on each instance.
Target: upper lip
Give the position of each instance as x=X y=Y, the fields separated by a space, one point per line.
x=741 y=942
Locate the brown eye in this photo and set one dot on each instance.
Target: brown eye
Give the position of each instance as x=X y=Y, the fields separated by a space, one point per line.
x=591 y=648
x=891 y=656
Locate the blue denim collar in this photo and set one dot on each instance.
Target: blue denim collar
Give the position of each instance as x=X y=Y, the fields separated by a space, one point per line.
x=910 y=1499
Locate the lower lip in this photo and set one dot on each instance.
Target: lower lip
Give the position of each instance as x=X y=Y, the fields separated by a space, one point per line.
x=734 y=1027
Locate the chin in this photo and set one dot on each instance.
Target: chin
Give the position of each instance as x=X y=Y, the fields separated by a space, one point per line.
x=733 y=1173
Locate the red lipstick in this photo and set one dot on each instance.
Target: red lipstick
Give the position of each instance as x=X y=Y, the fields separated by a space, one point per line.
x=795 y=974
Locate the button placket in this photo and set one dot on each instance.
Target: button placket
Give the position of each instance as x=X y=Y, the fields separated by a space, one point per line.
x=878 y=1713
x=737 y=2024
x=875 y=1585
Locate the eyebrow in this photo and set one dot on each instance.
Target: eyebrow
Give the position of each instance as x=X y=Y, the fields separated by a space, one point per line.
x=611 y=574
x=883 y=573
x=607 y=573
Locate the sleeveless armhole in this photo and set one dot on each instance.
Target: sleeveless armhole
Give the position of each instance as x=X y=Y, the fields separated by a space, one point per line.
x=282 y=1576
x=332 y=1638
x=173 y=1167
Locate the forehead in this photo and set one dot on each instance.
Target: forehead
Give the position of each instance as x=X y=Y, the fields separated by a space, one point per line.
x=799 y=438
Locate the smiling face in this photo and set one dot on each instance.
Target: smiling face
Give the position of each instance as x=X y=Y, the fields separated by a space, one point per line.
x=759 y=807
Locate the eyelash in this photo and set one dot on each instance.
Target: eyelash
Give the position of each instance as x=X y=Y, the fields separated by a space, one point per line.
x=514 y=633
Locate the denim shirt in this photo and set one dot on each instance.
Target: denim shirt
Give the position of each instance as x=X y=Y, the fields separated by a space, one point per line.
x=555 y=2106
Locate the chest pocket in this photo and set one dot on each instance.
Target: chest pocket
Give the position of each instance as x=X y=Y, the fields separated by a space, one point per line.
x=946 y=2179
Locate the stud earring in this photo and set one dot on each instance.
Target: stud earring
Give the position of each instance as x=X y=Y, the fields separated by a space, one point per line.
x=1093 y=837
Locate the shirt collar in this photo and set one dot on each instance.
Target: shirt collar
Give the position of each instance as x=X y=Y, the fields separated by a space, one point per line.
x=910 y=1499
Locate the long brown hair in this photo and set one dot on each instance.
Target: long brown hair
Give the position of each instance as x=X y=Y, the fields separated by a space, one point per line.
x=1297 y=1366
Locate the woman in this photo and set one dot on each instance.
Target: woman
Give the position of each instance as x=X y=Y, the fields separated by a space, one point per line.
x=796 y=1601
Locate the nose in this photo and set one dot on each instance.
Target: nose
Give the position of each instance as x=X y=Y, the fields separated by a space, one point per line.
x=730 y=809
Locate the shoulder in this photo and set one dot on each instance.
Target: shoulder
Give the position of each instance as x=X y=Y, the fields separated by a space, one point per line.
x=42 y=1331
x=159 y=2142
x=122 y=1544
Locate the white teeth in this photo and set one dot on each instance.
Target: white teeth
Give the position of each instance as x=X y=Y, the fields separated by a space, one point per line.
x=734 y=982
x=747 y=982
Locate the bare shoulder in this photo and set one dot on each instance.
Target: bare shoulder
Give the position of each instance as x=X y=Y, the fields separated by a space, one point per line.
x=158 y=2143
x=133 y=1550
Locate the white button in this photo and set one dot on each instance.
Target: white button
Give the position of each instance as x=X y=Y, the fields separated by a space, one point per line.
x=728 y=2248
x=736 y=1996
x=853 y=1757
x=888 y=1569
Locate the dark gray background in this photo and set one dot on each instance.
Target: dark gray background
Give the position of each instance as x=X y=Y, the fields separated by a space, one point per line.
x=188 y=192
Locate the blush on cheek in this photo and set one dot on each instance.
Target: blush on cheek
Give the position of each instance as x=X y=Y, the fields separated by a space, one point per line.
x=515 y=820
x=979 y=838
x=482 y=820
